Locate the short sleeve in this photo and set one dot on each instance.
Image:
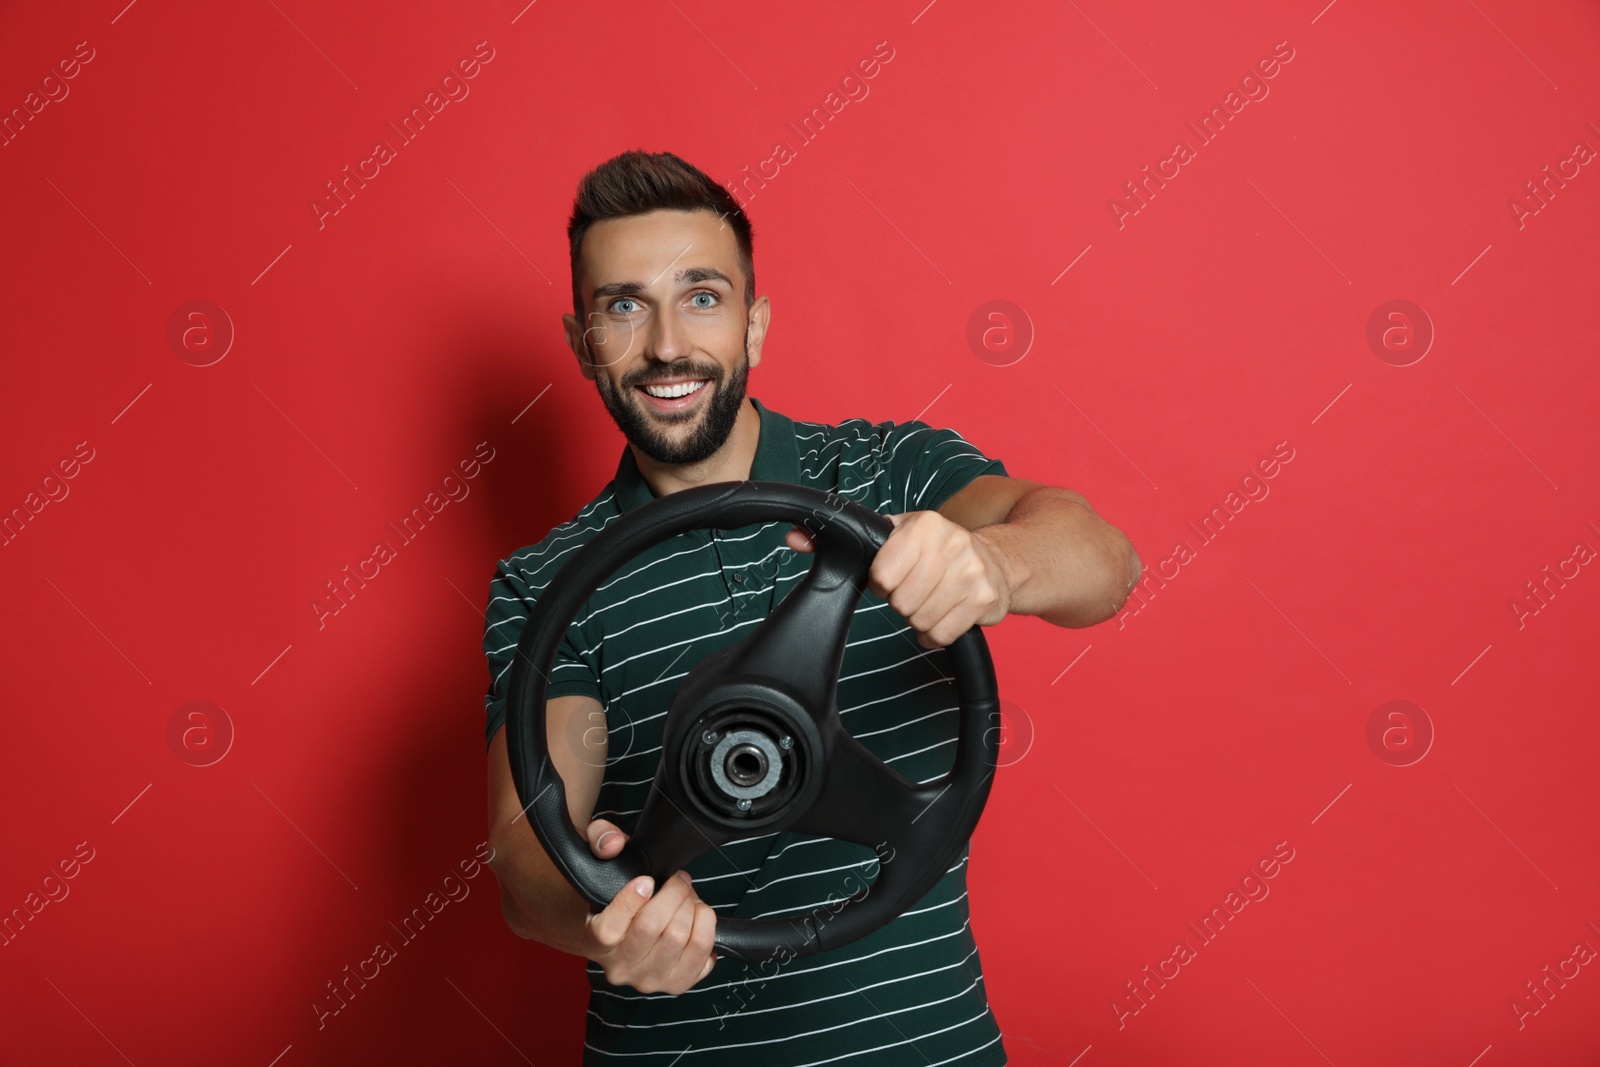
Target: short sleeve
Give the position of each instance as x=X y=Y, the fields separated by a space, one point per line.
x=927 y=466
x=506 y=616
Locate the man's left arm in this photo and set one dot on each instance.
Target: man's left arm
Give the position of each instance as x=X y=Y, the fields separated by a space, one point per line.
x=1062 y=561
x=1002 y=546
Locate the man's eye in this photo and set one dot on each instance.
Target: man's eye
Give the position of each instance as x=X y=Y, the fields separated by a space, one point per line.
x=709 y=296
x=622 y=300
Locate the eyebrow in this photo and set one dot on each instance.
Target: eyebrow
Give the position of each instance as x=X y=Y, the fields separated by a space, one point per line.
x=687 y=276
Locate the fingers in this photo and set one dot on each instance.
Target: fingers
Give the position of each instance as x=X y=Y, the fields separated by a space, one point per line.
x=627 y=929
x=665 y=955
x=663 y=944
x=605 y=840
x=657 y=937
x=654 y=938
x=950 y=608
x=696 y=960
x=682 y=955
x=611 y=926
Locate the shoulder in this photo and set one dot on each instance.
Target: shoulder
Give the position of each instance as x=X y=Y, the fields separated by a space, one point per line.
x=533 y=566
x=815 y=439
x=890 y=442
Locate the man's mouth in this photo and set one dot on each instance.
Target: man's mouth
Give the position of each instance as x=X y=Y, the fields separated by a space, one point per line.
x=672 y=397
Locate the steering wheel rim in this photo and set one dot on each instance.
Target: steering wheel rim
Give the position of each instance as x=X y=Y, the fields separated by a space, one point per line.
x=781 y=678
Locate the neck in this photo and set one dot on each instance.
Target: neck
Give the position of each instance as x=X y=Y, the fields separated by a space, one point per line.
x=730 y=463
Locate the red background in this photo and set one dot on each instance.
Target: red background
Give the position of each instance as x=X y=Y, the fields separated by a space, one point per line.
x=375 y=351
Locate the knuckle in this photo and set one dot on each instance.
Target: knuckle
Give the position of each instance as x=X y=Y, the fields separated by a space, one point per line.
x=675 y=937
x=610 y=926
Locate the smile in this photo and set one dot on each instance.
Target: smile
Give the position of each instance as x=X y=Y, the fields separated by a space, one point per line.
x=672 y=397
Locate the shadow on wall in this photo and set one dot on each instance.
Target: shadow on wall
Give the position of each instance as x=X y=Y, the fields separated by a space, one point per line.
x=554 y=458
x=417 y=967
x=557 y=455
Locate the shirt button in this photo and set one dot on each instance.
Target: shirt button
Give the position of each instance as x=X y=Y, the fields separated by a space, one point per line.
x=738 y=576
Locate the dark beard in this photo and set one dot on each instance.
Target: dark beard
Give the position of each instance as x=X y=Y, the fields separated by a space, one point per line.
x=717 y=422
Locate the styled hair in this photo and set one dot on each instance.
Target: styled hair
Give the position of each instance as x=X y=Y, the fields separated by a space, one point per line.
x=635 y=183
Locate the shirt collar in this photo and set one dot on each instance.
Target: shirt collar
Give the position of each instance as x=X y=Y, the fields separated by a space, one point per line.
x=777 y=460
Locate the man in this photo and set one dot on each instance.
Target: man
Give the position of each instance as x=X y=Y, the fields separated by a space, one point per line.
x=663 y=279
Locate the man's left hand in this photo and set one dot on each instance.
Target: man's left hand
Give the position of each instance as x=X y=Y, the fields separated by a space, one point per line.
x=942 y=577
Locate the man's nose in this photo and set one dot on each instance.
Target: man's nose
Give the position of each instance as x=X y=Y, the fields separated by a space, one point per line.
x=668 y=340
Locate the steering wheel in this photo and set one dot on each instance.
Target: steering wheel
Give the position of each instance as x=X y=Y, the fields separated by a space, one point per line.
x=752 y=741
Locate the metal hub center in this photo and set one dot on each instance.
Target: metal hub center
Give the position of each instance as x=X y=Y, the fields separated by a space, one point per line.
x=742 y=764
x=745 y=764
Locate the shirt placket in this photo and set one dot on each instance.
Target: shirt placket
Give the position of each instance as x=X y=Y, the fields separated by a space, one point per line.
x=748 y=594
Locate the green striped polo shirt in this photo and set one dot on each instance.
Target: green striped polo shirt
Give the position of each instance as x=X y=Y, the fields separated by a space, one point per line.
x=913 y=991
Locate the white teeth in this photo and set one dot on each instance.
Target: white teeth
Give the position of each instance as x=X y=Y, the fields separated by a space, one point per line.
x=669 y=392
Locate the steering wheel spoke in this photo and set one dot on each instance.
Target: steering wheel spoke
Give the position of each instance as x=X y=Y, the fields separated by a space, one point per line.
x=801 y=644
x=667 y=839
x=866 y=801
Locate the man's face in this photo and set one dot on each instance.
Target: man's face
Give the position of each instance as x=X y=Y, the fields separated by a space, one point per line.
x=665 y=307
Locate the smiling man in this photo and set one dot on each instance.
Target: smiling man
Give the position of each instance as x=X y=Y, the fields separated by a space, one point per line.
x=667 y=325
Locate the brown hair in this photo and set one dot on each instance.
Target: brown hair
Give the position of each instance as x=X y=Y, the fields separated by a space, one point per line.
x=634 y=183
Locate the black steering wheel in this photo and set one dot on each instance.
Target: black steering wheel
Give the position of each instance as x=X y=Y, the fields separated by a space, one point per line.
x=752 y=741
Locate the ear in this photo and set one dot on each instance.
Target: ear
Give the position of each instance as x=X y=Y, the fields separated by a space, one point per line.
x=760 y=316
x=576 y=340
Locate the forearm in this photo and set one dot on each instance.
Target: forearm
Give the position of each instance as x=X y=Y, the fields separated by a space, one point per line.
x=538 y=902
x=1063 y=563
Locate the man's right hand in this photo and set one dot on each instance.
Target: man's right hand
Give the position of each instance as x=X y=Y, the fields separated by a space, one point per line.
x=655 y=939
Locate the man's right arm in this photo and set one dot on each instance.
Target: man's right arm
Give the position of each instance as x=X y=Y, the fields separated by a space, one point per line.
x=656 y=940
x=538 y=902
